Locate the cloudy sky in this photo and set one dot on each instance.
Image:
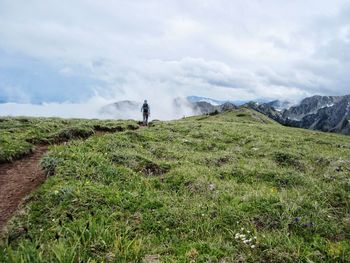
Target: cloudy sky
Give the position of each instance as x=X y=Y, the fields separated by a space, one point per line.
x=87 y=51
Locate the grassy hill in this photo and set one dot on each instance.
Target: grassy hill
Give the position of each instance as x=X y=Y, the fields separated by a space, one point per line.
x=224 y=188
x=18 y=135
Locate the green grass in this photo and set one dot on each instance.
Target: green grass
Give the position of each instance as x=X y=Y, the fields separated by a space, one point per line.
x=19 y=135
x=187 y=191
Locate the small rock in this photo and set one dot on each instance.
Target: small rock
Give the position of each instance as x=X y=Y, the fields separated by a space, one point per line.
x=151 y=259
x=212 y=187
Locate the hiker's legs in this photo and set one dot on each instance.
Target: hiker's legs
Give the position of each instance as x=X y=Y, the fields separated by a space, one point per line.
x=146 y=119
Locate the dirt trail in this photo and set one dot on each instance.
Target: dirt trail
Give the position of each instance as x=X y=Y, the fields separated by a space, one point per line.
x=18 y=179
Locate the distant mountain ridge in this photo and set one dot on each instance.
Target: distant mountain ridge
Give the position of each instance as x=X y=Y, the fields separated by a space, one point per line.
x=324 y=113
x=121 y=106
x=280 y=105
x=310 y=105
x=194 y=99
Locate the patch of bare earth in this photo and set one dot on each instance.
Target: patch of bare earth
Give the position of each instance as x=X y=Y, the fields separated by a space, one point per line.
x=18 y=179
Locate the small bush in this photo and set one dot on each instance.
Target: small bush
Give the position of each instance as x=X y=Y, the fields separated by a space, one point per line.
x=288 y=159
x=49 y=164
x=151 y=168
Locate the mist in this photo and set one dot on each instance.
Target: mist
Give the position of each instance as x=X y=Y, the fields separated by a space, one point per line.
x=162 y=108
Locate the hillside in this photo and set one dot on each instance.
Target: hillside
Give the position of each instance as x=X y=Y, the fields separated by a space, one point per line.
x=230 y=187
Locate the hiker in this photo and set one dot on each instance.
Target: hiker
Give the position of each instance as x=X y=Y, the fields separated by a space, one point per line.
x=146 y=112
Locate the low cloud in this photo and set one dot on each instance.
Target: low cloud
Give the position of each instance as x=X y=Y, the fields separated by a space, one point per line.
x=94 y=108
x=89 y=109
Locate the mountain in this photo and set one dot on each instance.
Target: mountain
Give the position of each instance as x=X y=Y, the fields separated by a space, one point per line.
x=331 y=117
x=214 y=102
x=196 y=99
x=122 y=105
x=204 y=105
x=267 y=110
x=324 y=113
x=207 y=108
x=310 y=105
x=279 y=105
x=125 y=109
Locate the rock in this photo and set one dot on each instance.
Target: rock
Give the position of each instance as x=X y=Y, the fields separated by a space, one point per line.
x=212 y=187
x=151 y=259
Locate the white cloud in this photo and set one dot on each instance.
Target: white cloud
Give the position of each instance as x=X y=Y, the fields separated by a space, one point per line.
x=161 y=109
x=226 y=49
x=90 y=109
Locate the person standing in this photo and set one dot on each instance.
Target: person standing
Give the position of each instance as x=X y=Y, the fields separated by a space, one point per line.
x=145 y=109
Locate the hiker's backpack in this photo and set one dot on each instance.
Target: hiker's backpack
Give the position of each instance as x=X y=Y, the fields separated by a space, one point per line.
x=145 y=108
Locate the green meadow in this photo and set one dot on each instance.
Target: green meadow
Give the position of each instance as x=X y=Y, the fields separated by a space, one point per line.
x=18 y=136
x=230 y=187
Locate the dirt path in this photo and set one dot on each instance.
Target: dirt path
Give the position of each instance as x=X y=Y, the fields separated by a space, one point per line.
x=18 y=179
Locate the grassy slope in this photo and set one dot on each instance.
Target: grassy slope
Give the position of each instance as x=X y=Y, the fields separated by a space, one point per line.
x=18 y=135
x=184 y=190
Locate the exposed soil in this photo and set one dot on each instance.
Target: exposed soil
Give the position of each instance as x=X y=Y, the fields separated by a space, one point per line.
x=18 y=179
x=21 y=177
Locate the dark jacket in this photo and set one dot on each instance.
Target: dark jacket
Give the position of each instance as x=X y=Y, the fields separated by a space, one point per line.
x=145 y=108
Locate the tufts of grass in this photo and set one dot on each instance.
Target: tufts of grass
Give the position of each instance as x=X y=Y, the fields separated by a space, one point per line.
x=232 y=187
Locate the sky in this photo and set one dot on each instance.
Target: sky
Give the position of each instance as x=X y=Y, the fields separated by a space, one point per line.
x=69 y=58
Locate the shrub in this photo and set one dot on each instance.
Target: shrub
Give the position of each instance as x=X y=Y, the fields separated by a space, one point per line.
x=49 y=164
x=288 y=159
